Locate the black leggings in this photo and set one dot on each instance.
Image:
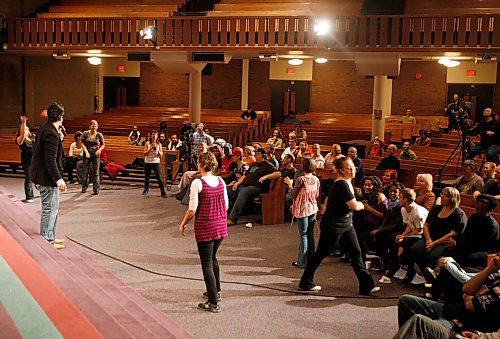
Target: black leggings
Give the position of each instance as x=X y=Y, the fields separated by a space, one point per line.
x=210 y=266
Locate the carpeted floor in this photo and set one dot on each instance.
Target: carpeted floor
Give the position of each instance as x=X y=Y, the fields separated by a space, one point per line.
x=260 y=286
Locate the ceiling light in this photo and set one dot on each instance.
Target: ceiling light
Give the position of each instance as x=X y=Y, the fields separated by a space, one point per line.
x=322 y=27
x=94 y=60
x=295 y=62
x=449 y=62
x=321 y=60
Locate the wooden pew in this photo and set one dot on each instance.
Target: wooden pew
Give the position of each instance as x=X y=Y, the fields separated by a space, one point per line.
x=273 y=203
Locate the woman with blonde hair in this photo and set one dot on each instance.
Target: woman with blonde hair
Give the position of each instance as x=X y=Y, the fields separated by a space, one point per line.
x=249 y=155
x=94 y=142
x=423 y=187
x=208 y=202
x=334 y=154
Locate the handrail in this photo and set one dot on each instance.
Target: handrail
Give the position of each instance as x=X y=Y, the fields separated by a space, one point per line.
x=350 y=33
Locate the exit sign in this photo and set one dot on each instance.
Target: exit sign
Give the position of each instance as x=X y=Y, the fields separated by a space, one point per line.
x=120 y=68
x=290 y=70
x=471 y=72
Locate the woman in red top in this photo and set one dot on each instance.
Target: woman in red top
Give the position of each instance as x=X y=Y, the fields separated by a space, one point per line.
x=208 y=201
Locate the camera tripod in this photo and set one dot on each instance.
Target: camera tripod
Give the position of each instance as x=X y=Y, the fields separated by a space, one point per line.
x=191 y=164
x=461 y=150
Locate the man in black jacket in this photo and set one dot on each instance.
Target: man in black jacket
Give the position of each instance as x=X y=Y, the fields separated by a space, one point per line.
x=390 y=161
x=46 y=172
x=489 y=133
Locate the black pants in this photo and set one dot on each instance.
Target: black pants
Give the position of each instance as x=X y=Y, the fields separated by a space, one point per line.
x=93 y=163
x=70 y=166
x=210 y=266
x=28 y=185
x=328 y=241
x=387 y=249
x=147 y=174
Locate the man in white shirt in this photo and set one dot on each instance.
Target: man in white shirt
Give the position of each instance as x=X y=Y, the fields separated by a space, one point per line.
x=291 y=149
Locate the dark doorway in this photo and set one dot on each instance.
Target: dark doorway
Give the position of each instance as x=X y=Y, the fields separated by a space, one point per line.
x=289 y=95
x=120 y=91
x=481 y=97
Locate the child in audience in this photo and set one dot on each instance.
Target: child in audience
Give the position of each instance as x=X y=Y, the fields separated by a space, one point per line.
x=305 y=193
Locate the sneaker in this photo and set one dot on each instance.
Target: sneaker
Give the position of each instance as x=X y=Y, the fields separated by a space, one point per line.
x=230 y=222
x=311 y=288
x=145 y=192
x=385 y=280
x=219 y=298
x=374 y=289
x=429 y=274
x=58 y=241
x=164 y=195
x=58 y=246
x=30 y=200
x=207 y=306
x=84 y=190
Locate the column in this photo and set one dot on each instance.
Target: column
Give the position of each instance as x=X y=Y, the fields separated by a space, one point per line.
x=195 y=97
x=382 y=96
x=244 y=84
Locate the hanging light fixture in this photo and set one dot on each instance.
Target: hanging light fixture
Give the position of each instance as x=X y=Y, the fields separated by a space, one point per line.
x=94 y=60
x=295 y=62
x=449 y=62
x=321 y=60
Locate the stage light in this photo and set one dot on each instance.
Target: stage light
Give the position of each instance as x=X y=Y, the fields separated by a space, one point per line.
x=322 y=27
x=295 y=62
x=449 y=62
x=148 y=33
x=321 y=60
x=94 y=60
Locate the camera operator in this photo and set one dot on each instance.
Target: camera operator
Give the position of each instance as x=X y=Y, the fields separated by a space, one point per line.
x=452 y=112
x=489 y=133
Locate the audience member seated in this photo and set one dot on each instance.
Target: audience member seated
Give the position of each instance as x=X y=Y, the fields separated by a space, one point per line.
x=288 y=171
x=226 y=163
x=76 y=151
x=303 y=147
x=390 y=161
x=407 y=153
x=292 y=119
x=489 y=134
x=249 y=114
x=271 y=157
x=162 y=139
x=408 y=118
x=251 y=185
x=319 y=161
x=360 y=169
x=299 y=134
x=389 y=177
x=376 y=204
x=249 y=155
x=291 y=149
x=383 y=238
x=275 y=140
x=477 y=311
x=479 y=237
x=414 y=217
x=375 y=149
x=187 y=177
x=174 y=144
x=334 y=154
x=218 y=153
x=444 y=221
x=423 y=187
x=492 y=186
x=470 y=181
x=136 y=136
x=238 y=168
x=424 y=139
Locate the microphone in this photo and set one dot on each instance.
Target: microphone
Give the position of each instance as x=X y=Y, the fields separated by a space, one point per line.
x=63 y=130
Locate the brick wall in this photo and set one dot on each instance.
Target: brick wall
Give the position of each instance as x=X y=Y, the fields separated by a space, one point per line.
x=425 y=96
x=220 y=90
x=336 y=87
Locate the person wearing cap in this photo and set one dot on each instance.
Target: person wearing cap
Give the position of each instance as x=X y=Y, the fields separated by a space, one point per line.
x=251 y=185
x=238 y=167
x=470 y=181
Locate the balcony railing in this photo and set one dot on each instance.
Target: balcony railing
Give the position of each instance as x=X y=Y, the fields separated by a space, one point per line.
x=361 y=33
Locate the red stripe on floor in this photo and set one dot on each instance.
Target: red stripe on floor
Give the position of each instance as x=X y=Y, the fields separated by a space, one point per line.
x=68 y=320
x=9 y=329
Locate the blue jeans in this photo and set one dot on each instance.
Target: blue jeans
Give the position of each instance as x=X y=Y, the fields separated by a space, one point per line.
x=50 y=207
x=243 y=196
x=306 y=242
x=28 y=185
x=458 y=272
x=491 y=152
x=420 y=326
x=410 y=305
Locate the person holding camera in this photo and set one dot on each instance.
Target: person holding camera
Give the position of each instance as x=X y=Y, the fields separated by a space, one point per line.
x=489 y=134
x=152 y=154
x=452 y=112
x=25 y=140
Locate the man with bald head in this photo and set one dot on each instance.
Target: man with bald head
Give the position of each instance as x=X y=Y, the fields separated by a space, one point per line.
x=390 y=161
